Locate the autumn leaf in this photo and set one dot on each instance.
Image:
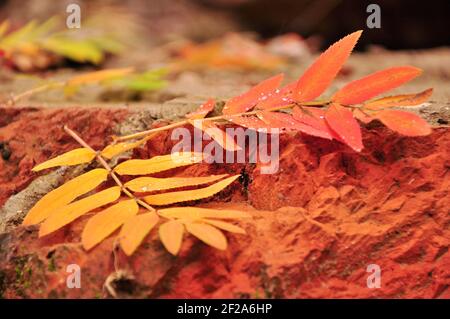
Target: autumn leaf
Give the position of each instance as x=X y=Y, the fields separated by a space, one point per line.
x=171 y=235
x=135 y=230
x=225 y=226
x=374 y=84
x=222 y=138
x=314 y=121
x=249 y=99
x=151 y=184
x=98 y=76
x=208 y=234
x=362 y=116
x=69 y=213
x=405 y=123
x=112 y=150
x=157 y=163
x=195 y=213
x=251 y=122
x=188 y=195
x=341 y=121
x=322 y=72
x=277 y=98
x=399 y=100
x=202 y=110
x=107 y=221
x=73 y=157
x=65 y=194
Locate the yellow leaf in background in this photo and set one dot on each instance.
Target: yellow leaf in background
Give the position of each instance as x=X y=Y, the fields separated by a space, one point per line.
x=225 y=226
x=69 y=213
x=157 y=163
x=171 y=235
x=98 y=76
x=65 y=194
x=4 y=27
x=107 y=221
x=191 y=212
x=218 y=135
x=208 y=234
x=400 y=100
x=73 y=157
x=135 y=230
x=150 y=184
x=112 y=150
x=182 y=196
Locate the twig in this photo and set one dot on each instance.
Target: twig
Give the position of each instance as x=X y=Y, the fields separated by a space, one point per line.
x=105 y=164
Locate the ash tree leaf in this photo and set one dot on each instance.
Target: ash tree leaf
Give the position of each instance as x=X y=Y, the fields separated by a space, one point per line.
x=405 y=123
x=194 y=213
x=107 y=221
x=202 y=111
x=135 y=229
x=113 y=150
x=363 y=117
x=249 y=99
x=65 y=194
x=400 y=100
x=277 y=98
x=341 y=121
x=250 y=122
x=322 y=72
x=151 y=184
x=218 y=135
x=171 y=235
x=374 y=84
x=158 y=163
x=73 y=157
x=208 y=234
x=188 y=195
x=67 y=214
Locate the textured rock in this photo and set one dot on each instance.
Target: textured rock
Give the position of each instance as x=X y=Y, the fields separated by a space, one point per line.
x=321 y=220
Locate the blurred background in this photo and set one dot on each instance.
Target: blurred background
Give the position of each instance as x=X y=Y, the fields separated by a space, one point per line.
x=405 y=24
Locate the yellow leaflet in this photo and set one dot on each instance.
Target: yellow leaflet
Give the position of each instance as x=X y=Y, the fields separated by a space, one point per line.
x=171 y=235
x=69 y=213
x=4 y=26
x=107 y=221
x=200 y=213
x=112 y=150
x=157 y=163
x=208 y=234
x=182 y=196
x=73 y=157
x=135 y=230
x=225 y=226
x=65 y=194
x=150 y=184
x=218 y=135
x=98 y=76
x=400 y=100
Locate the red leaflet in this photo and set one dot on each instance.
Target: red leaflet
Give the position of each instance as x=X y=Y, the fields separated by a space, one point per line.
x=405 y=123
x=400 y=100
x=249 y=99
x=341 y=121
x=376 y=83
x=202 y=110
x=250 y=122
x=278 y=98
x=363 y=117
x=315 y=120
x=320 y=75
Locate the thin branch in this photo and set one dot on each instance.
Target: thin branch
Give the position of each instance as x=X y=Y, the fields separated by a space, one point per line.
x=105 y=164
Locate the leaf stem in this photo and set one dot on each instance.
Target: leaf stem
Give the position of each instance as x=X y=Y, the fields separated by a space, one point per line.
x=111 y=172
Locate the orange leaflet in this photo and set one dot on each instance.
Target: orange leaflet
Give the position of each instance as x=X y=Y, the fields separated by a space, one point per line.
x=222 y=138
x=363 y=117
x=400 y=100
x=315 y=121
x=287 y=122
x=277 y=98
x=249 y=99
x=250 y=122
x=135 y=229
x=376 y=83
x=341 y=121
x=202 y=110
x=320 y=75
x=405 y=123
